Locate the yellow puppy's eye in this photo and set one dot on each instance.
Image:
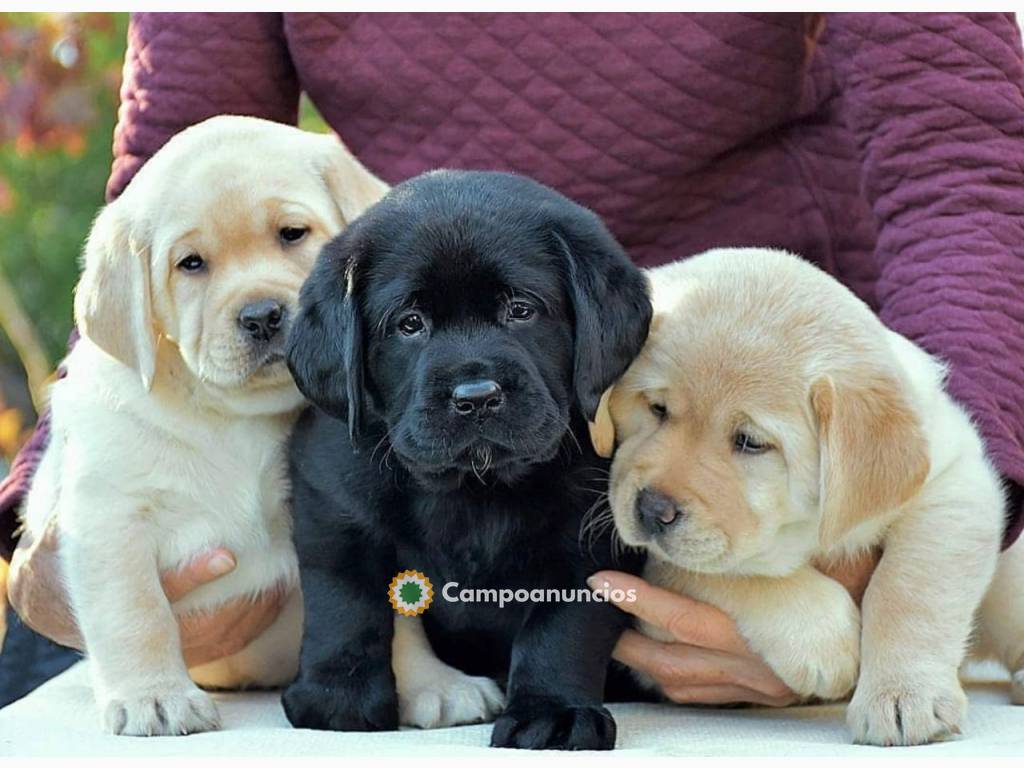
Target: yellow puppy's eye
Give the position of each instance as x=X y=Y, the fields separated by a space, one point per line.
x=192 y=263
x=744 y=442
x=292 y=235
x=659 y=410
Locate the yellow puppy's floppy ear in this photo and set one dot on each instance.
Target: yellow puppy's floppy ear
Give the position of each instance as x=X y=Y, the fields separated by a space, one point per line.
x=113 y=306
x=602 y=429
x=350 y=183
x=873 y=452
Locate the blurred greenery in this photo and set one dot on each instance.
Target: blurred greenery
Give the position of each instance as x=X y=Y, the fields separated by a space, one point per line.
x=59 y=81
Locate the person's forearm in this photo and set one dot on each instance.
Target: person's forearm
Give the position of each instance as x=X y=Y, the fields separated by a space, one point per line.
x=37 y=594
x=35 y=589
x=936 y=108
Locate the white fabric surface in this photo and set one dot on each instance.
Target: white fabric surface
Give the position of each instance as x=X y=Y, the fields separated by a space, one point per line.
x=59 y=719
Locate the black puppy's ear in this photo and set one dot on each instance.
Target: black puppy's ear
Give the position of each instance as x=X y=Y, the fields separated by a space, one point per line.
x=611 y=304
x=325 y=345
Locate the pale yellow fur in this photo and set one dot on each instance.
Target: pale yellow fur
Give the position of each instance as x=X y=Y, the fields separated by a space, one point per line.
x=867 y=449
x=168 y=440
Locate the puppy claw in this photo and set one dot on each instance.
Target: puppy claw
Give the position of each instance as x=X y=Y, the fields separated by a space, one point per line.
x=1017 y=687
x=423 y=711
x=455 y=699
x=170 y=713
x=906 y=714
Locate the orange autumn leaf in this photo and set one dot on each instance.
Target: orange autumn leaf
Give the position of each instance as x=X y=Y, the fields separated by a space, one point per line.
x=11 y=432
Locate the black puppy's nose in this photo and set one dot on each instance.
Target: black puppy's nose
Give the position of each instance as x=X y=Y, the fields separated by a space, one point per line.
x=481 y=396
x=656 y=512
x=262 y=319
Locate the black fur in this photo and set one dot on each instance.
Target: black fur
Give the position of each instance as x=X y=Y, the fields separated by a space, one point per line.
x=494 y=502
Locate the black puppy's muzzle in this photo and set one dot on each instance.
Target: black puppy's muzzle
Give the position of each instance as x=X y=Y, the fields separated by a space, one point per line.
x=479 y=398
x=477 y=407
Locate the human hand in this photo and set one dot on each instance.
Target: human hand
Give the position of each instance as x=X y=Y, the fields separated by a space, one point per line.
x=709 y=661
x=36 y=592
x=210 y=635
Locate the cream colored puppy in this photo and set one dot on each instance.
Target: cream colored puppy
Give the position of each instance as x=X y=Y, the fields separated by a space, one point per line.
x=169 y=432
x=772 y=422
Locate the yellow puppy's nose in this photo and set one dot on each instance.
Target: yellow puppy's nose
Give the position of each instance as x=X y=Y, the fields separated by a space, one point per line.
x=262 y=319
x=656 y=511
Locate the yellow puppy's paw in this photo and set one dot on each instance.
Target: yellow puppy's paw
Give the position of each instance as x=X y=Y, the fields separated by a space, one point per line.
x=449 y=697
x=171 y=712
x=1017 y=687
x=815 y=652
x=907 y=711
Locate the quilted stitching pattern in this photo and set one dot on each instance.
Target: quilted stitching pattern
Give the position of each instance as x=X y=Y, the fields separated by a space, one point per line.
x=181 y=68
x=602 y=107
x=944 y=174
x=891 y=152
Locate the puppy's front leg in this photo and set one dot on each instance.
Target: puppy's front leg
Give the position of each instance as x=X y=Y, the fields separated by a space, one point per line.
x=556 y=682
x=432 y=694
x=805 y=626
x=131 y=634
x=345 y=682
x=917 y=616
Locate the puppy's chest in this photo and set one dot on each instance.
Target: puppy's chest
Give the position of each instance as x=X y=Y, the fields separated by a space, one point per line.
x=479 y=551
x=231 y=493
x=461 y=546
x=506 y=541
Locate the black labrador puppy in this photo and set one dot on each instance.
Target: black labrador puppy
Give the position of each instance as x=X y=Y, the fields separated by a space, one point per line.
x=464 y=328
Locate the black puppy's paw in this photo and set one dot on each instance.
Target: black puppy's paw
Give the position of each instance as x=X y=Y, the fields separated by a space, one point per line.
x=554 y=725
x=325 y=707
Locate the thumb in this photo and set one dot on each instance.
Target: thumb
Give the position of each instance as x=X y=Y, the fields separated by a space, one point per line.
x=198 y=571
x=689 y=621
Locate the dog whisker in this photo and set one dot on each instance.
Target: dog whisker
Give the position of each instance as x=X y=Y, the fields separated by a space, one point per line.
x=383 y=439
x=567 y=427
x=595 y=522
x=484 y=455
x=575 y=441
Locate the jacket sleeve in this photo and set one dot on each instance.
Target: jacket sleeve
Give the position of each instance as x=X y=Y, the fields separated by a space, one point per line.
x=181 y=68
x=936 y=104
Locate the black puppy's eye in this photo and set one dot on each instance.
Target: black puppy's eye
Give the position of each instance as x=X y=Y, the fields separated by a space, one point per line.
x=411 y=324
x=520 y=311
x=659 y=410
x=292 y=235
x=743 y=442
x=192 y=263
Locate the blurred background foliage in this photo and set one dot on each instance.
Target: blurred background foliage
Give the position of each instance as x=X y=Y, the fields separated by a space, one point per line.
x=60 y=75
x=59 y=81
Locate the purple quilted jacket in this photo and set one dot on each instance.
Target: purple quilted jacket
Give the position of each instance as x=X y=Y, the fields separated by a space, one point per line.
x=888 y=149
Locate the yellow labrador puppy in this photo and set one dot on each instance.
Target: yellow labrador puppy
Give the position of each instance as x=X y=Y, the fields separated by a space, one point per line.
x=169 y=431
x=772 y=422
